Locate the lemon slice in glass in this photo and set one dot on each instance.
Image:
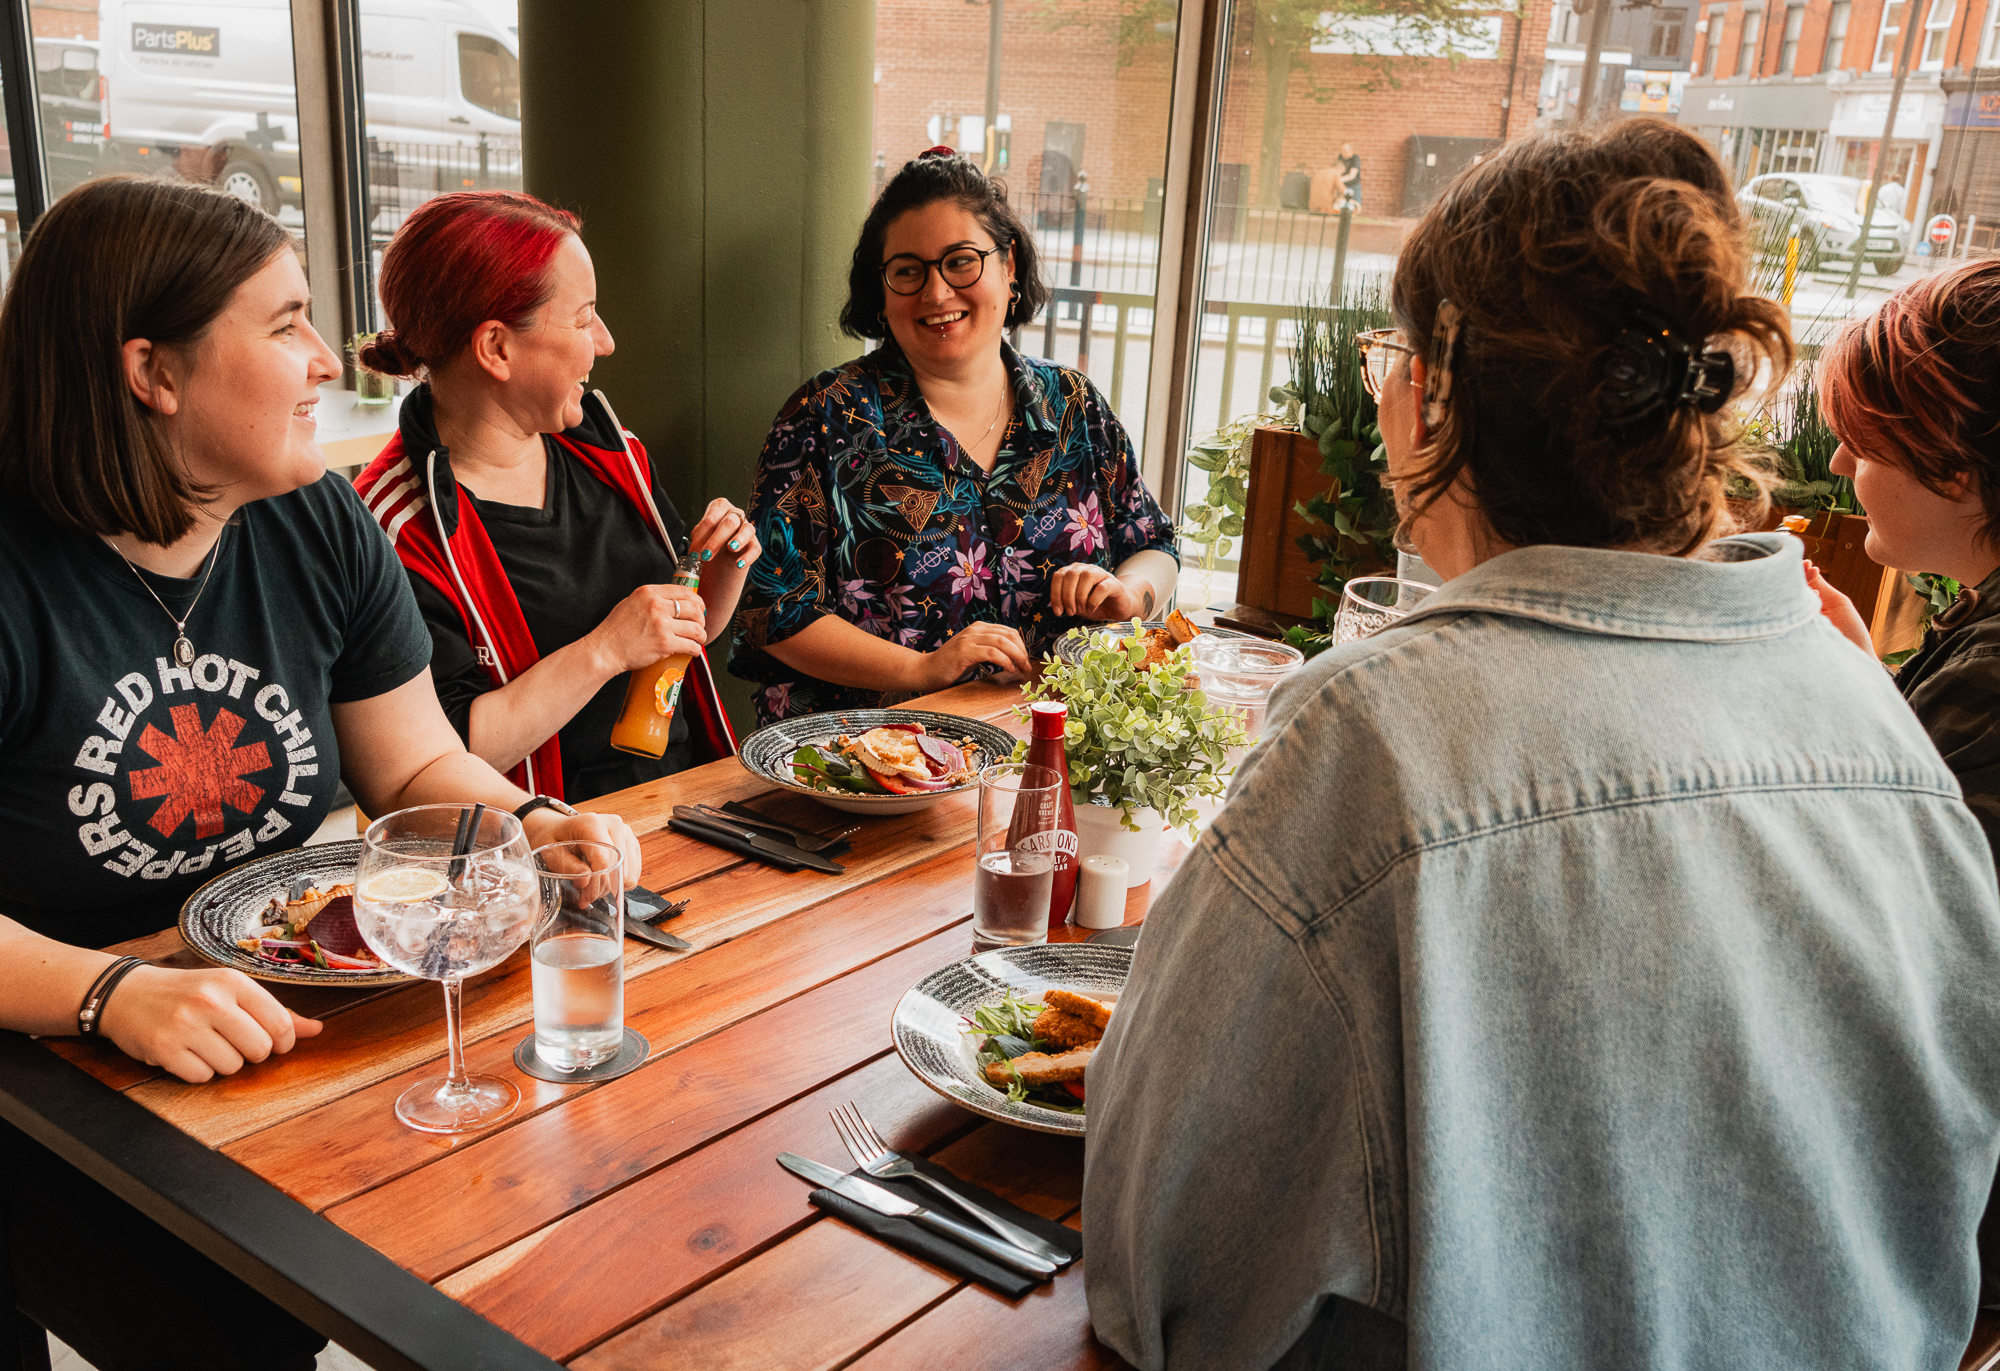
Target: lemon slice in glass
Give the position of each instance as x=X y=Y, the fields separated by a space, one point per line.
x=404 y=885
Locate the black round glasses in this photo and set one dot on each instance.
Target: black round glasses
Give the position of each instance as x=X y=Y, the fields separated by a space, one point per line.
x=905 y=273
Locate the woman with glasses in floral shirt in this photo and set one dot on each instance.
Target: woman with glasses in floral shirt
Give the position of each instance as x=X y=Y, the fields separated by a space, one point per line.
x=943 y=506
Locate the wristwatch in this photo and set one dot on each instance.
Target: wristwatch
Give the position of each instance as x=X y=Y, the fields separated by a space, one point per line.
x=543 y=802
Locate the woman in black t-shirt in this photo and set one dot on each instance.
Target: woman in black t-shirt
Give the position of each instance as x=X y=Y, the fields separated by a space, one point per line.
x=202 y=638
x=536 y=535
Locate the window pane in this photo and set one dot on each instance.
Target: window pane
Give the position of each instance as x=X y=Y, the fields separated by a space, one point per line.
x=1836 y=36
x=441 y=91
x=1079 y=135
x=213 y=101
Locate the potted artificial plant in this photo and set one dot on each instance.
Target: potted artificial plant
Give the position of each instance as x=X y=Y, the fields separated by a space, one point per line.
x=1143 y=745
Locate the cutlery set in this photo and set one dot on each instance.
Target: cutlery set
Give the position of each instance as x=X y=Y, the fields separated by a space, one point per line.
x=1014 y=1247
x=738 y=828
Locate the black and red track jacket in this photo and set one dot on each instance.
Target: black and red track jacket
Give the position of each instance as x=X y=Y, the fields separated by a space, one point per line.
x=413 y=496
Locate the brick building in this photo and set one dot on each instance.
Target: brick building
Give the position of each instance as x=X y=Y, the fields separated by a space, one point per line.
x=1072 y=100
x=1804 y=86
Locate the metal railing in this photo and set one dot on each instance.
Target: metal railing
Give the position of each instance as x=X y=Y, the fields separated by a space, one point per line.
x=402 y=176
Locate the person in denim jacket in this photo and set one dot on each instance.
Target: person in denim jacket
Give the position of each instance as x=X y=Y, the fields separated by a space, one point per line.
x=1596 y=967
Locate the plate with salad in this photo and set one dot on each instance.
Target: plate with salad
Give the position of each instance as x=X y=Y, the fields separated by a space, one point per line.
x=1009 y=1034
x=288 y=918
x=876 y=761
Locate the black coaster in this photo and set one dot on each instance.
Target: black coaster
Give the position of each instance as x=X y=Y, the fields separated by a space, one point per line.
x=631 y=1056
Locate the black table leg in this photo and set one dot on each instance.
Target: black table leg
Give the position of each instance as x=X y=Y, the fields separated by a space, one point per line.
x=24 y=1344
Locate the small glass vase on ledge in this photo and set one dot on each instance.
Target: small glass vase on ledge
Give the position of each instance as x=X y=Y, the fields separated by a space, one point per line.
x=370 y=388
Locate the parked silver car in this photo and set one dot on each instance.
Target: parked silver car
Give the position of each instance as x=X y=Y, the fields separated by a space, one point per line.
x=1825 y=211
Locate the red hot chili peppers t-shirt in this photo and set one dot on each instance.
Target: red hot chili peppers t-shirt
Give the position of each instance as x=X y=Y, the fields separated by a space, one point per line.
x=126 y=781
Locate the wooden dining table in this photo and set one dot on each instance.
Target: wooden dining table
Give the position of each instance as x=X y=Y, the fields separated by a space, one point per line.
x=643 y=1221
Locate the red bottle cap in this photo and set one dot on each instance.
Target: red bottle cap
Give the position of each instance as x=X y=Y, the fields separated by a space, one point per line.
x=1049 y=718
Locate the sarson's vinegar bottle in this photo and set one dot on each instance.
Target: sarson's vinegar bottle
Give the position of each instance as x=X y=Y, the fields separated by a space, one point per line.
x=655 y=690
x=1045 y=748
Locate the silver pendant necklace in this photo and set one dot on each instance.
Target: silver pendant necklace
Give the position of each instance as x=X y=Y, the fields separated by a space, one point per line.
x=183 y=649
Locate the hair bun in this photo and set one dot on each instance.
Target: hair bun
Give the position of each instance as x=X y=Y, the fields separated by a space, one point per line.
x=386 y=356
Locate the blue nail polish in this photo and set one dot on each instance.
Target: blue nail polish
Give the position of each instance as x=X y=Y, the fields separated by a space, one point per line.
x=707 y=554
x=742 y=562
x=735 y=546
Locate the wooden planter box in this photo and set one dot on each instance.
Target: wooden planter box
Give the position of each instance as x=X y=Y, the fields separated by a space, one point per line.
x=1273 y=573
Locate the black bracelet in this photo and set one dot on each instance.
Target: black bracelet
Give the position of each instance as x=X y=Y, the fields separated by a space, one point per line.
x=91 y=1013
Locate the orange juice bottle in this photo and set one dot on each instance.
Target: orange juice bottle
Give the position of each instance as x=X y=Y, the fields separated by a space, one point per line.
x=655 y=690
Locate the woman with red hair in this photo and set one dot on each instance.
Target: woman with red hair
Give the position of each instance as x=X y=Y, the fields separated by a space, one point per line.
x=532 y=525
x=1913 y=391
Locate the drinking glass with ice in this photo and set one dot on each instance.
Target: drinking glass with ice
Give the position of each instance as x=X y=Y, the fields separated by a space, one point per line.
x=444 y=914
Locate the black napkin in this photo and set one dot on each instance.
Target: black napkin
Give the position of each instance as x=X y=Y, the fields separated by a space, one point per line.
x=939 y=1250
x=715 y=837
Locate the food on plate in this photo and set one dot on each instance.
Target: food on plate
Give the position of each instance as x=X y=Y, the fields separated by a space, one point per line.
x=1096 y=1011
x=1040 y=1068
x=1037 y=1050
x=895 y=759
x=1060 y=1026
x=1178 y=631
x=316 y=930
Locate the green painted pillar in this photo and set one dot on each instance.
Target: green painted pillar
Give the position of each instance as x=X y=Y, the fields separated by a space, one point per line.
x=719 y=153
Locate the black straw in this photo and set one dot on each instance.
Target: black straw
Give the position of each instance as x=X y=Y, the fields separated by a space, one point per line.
x=468 y=832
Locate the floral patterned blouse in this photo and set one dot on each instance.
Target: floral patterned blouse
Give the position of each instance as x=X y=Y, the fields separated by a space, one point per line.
x=868 y=508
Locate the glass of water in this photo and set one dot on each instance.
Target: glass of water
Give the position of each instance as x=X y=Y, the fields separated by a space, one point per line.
x=1015 y=854
x=578 y=951
x=443 y=916
x=1369 y=604
x=1238 y=675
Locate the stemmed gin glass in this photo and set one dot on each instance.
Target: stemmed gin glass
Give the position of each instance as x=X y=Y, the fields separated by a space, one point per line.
x=444 y=892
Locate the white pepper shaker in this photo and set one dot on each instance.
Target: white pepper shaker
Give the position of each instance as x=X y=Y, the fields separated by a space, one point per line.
x=1100 y=892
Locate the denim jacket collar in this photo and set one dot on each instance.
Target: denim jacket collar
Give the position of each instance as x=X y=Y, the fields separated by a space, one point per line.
x=1740 y=589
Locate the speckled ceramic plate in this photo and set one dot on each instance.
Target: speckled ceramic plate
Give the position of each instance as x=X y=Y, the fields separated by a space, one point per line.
x=1069 y=647
x=232 y=904
x=929 y=1017
x=768 y=752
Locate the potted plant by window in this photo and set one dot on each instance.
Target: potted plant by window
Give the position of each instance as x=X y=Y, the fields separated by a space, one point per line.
x=1143 y=745
x=1305 y=535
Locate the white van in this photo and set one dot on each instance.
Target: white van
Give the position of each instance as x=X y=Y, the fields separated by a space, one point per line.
x=206 y=87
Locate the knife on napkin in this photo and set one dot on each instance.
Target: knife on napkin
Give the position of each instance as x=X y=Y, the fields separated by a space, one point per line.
x=747 y=843
x=871 y=1196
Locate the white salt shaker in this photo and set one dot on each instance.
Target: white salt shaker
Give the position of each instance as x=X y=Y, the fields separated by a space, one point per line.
x=1100 y=892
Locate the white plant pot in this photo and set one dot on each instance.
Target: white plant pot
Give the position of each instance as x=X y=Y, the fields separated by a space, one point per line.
x=1100 y=833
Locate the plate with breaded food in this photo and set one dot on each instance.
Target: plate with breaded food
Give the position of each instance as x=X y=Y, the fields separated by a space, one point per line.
x=1161 y=636
x=876 y=761
x=1010 y=1033
x=288 y=917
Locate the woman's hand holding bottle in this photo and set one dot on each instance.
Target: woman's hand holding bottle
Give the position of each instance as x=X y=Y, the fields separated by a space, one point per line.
x=650 y=623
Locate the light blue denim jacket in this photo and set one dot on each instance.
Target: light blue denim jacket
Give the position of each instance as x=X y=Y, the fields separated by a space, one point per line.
x=1597 y=968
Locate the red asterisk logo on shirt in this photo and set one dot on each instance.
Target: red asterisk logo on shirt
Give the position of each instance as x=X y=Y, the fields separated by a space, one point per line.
x=199 y=771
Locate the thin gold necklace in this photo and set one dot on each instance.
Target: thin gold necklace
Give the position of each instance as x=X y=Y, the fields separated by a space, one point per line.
x=183 y=649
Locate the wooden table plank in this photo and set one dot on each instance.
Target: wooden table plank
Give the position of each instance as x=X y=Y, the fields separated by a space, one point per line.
x=1048 y=1329
x=815 y=1301
x=351 y=1144
x=763 y=1312
x=502 y=1187
x=642 y=1247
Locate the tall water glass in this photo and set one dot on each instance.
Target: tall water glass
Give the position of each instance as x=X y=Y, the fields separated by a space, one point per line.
x=1238 y=675
x=443 y=917
x=1369 y=604
x=1019 y=813
x=578 y=955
